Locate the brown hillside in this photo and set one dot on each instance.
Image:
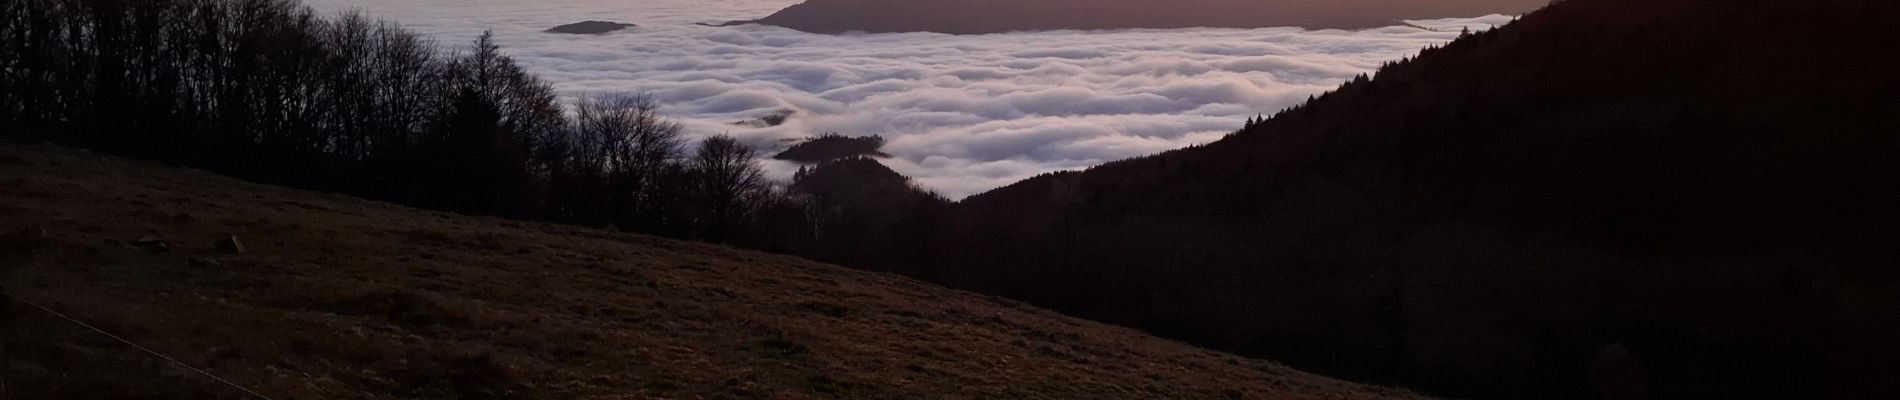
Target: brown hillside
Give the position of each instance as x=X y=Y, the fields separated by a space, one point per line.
x=336 y=297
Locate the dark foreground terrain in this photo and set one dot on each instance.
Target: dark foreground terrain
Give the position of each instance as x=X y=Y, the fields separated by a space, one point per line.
x=334 y=297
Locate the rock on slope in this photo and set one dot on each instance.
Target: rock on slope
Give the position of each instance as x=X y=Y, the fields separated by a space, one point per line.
x=336 y=297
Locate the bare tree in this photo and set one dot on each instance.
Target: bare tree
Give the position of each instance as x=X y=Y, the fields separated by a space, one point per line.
x=730 y=185
x=624 y=138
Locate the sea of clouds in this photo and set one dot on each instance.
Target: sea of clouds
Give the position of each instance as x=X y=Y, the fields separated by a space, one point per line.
x=961 y=114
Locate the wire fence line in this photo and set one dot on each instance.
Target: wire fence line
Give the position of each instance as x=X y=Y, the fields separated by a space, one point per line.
x=154 y=353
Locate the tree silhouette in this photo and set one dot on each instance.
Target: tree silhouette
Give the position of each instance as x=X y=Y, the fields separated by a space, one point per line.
x=728 y=185
x=266 y=90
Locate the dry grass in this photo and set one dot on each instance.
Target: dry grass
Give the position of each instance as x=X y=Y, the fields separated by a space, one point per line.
x=347 y=299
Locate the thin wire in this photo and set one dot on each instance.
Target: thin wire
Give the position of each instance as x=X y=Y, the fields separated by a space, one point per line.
x=135 y=345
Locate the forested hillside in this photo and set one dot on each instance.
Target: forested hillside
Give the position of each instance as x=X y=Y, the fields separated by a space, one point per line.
x=1699 y=182
x=867 y=216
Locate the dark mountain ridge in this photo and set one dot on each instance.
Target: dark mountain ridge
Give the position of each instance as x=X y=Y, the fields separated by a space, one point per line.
x=994 y=16
x=1690 y=182
x=590 y=27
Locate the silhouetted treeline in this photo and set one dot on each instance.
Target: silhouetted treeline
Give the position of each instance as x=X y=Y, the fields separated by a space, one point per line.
x=832 y=146
x=267 y=90
x=867 y=216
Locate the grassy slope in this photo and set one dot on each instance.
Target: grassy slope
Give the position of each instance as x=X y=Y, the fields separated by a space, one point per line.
x=343 y=298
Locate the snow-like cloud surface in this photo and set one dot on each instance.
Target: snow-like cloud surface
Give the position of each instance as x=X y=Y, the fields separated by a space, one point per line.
x=961 y=114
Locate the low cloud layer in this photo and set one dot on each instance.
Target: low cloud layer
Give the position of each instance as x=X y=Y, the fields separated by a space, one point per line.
x=961 y=114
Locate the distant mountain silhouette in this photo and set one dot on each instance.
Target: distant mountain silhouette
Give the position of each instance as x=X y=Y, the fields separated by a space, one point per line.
x=1678 y=199
x=994 y=16
x=590 y=27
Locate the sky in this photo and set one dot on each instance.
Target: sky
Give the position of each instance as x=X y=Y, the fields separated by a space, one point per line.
x=960 y=114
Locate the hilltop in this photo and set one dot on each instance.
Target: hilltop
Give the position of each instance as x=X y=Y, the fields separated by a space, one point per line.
x=987 y=16
x=335 y=297
x=832 y=146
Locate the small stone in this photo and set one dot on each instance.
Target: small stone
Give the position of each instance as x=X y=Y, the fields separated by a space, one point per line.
x=231 y=245
x=152 y=244
x=32 y=237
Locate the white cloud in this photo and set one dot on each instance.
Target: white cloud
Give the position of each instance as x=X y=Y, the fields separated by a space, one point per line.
x=962 y=114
